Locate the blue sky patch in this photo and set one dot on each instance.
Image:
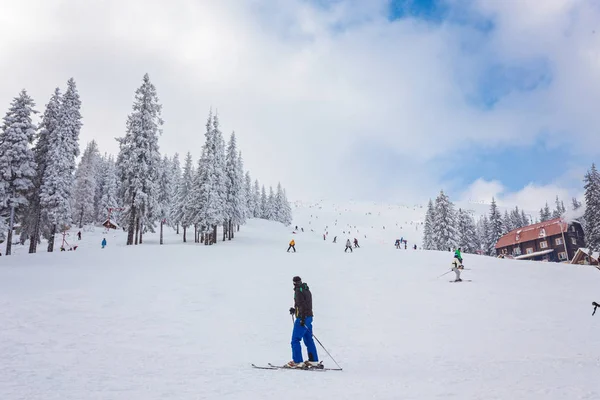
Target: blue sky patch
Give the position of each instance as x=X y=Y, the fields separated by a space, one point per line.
x=499 y=80
x=512 y=166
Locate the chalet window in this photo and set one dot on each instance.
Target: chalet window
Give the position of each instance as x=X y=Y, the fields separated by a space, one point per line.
x=542 y=232
x=544 y=245
x=574 y=241
x=572 y=228
x=517 y=251
x=562 y=255
x=558 y=241
x=529 y=250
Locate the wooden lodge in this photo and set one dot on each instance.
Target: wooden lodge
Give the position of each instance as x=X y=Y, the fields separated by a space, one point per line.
x=108 y=224
x=554 y=240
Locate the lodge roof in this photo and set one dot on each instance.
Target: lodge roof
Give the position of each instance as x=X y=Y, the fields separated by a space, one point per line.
x=533 y=232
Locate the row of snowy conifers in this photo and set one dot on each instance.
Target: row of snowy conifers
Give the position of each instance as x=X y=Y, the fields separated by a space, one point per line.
x=43 y=192
x=447 y=228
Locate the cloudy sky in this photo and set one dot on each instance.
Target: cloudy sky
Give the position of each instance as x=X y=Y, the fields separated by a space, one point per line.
x=364 y=99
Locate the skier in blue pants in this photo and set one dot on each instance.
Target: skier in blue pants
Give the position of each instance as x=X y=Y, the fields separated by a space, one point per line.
x=302 y=326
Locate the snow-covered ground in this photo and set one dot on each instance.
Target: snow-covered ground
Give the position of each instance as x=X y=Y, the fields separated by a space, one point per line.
x=185 y=321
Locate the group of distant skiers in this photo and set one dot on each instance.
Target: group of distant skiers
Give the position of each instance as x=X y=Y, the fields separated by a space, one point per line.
x=292 y=245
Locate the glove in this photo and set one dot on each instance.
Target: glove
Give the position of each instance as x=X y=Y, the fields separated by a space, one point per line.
x=292 y=311
x=302 y=322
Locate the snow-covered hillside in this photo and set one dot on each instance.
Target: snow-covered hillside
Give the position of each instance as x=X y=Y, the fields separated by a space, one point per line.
x=185 y=321
x=368 y=222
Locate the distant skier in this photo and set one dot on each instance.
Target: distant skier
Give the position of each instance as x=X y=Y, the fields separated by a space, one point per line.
x=302 y=229
x=335 y=239
x=79 y=235
x=415 y=246
x=324 y=237
x=302 y=310
x=103 y=242
x=356 y=243
x=292 y=246
x=348 y=246
x=458 y=254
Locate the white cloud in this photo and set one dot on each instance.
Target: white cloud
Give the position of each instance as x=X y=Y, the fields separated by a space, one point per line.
x=307 y=88
x=530 y=198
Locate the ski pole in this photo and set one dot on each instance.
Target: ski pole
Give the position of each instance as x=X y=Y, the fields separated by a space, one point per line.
x=443 y=274
x=596 y=305
x=321 y=344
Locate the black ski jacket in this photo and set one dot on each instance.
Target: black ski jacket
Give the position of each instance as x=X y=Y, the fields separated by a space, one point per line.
x=303 y=301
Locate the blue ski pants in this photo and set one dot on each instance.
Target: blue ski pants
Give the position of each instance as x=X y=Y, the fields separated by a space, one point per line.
x=303 y=333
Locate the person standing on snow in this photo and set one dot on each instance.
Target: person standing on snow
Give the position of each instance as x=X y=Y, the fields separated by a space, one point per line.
x=356 y=243
x=292 y=246
x=334 y=239
x=348 y=246
x=302 y=310
x=104 y=243
x=456 y=267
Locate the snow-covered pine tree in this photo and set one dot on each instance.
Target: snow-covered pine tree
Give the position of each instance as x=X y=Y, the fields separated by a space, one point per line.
x=85 y=185
x=63 y=148
x=31 y=227
x=181 y=211
x=483 y=234
x=286 y=212
x=250 y=205
x=263 y=203
x=242 y=214
x=507 y=224
x=211 y=181
x=138 y=161
x=99 y=214
x=516 y=218
x=256 y=196
x=279 y=210
x=234 y=189
x=467 y=236
x=428 y=239
x=445 y=235
x=545 y=213
x=575 y=204
x=559 y=210
x=176 y=182
x=17 y=161
x=495 y=227
x=524 y=220
x=165 y=193
x=110 y=193
x=271 y=208
x=592 y=208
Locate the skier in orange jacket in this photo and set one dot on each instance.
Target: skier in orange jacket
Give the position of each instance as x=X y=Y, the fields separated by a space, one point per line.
x=292 y=246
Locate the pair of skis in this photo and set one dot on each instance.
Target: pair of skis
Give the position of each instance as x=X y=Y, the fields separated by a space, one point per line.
x=319 y=367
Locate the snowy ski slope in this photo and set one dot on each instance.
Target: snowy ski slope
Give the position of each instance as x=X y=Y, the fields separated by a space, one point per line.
x=185 y=321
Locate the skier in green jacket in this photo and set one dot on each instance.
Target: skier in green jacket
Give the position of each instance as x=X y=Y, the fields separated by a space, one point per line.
x=458 y=255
